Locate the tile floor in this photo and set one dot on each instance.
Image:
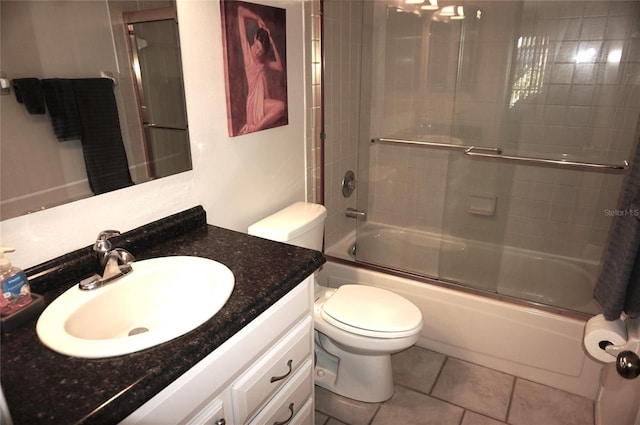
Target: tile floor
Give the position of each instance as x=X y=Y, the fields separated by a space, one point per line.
x=432 y=388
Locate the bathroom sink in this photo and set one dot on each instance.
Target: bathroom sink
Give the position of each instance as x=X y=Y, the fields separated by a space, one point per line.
x=161 y=299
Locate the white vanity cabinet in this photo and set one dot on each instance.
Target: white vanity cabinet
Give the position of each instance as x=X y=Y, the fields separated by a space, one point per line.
x=262 y=375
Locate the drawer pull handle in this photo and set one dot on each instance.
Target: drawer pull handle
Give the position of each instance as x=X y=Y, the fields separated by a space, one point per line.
x=278 y=378
x=220 y=422
x=288 y=419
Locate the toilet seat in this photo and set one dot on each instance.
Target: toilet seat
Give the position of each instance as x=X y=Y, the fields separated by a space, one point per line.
x=369 y=311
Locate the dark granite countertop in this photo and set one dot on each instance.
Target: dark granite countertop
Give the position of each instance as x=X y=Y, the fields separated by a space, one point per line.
x=44 y=387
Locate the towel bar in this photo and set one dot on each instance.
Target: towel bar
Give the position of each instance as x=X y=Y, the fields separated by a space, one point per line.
x=551 y=162
x=496 y=153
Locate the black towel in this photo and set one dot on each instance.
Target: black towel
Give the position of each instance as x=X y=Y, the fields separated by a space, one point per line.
x=28 y=91
x=104 y=154
x=61 y=103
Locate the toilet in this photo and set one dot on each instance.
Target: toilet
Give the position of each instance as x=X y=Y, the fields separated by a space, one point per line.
x=357 y=327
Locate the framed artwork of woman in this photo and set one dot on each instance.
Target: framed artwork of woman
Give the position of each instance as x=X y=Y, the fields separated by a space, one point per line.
x=254 y=43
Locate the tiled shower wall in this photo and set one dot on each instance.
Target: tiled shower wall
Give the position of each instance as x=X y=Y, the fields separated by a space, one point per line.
x=587 y=109
x=314 y=129
x=342 y=40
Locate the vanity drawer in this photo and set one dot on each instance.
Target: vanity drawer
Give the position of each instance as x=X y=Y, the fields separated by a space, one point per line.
x=272 y=371
x=287 y=406
x=305 y=416
x=212 y=414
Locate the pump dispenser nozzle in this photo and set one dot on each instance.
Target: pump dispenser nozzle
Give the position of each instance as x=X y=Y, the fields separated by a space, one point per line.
x=5 y=264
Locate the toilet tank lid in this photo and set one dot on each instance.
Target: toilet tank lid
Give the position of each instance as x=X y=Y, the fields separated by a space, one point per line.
x=290 y=222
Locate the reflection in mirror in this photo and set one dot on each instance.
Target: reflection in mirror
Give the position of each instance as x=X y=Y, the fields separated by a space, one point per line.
x=66 y=44
x=155 y=54
x=432 y=50
x=452 y=51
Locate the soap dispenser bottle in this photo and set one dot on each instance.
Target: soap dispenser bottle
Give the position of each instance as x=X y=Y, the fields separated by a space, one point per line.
x=14 y=286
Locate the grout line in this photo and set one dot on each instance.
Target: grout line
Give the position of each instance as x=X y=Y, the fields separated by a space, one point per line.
x=435 y=381
x=513 y=391
x=413 y=389
x=464 y=413
x=376 y=414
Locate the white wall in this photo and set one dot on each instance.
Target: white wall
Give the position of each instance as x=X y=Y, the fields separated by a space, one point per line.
x=237 y=180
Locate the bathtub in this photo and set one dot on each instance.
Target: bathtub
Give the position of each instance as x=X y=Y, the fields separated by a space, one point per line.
x=553 y=280
x=515 y=338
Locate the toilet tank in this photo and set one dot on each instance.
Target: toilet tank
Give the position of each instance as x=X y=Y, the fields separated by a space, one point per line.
x=300 y=224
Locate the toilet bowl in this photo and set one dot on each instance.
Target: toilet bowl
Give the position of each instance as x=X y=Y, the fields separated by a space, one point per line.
x=357 y=327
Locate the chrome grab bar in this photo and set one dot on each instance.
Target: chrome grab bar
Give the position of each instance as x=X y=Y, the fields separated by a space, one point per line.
x=557 y=162
x=436 y=145
x=497 y=154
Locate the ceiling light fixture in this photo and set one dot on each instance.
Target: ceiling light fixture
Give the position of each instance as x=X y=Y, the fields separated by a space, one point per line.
x=459 y=13
x=447 y=11
x=432 y=5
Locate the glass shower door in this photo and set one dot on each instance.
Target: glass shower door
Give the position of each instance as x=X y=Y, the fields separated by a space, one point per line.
x=493 y=142
x=419 y=182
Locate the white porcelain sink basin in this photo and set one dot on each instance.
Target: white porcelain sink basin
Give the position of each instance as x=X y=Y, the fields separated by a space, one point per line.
x=161 y=299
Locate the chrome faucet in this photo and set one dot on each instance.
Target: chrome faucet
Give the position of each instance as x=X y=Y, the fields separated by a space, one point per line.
x=112 y=264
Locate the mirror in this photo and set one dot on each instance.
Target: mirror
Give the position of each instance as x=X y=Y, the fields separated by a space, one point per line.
x=129 y=47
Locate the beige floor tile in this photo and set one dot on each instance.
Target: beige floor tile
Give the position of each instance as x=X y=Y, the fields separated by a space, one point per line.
x=417 y=368
x=408 y=407
x=474 y=387
x=473 y=418
x=535 y=404
x=349 y=411
x=464 y=394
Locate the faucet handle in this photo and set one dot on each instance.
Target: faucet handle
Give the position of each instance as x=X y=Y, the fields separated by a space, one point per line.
x=102 y=244
x=124 y=256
